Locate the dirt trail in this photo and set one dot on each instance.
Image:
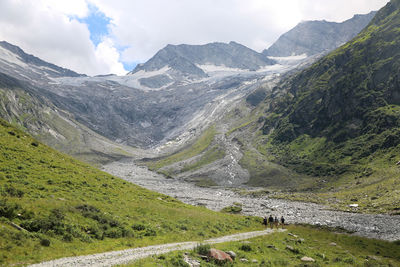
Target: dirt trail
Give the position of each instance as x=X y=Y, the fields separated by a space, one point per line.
x=124 y=256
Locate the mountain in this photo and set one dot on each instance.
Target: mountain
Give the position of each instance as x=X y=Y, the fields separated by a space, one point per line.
x=15 y=58
x=24 y=103
x=339 y=119
x=193 y=60
x=314 y=37
x=351 y=93
x=145 y=108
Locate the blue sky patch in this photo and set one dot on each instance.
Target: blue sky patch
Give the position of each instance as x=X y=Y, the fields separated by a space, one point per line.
x=129 y=66
x=97 y=23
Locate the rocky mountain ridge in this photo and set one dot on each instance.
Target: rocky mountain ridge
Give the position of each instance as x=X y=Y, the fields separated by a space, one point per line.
x=193 y=60
x=319 y=36
x=137 y=109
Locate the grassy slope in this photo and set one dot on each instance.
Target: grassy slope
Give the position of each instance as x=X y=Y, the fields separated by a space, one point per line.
x=316 y=243
x=81 y=210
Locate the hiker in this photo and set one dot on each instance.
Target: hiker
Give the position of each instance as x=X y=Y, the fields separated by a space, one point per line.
x=271 y=221
x=282 y=221
x=276 y=222
x=265 y=221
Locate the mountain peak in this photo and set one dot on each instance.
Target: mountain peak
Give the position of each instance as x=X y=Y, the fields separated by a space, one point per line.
x=35 y=61
x=318 y=36
x=185 y=58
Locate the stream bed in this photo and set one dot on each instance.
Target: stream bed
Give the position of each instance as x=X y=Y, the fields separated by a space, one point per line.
x=378 y=226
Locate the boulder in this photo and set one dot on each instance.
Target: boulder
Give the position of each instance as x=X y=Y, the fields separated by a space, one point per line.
x=232 y=254
x=292 y=235
x=332 y=244
x=307 y=259
x=290 y=248
x=219 y=255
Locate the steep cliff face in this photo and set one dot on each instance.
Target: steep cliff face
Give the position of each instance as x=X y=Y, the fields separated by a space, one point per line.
x=314 y=37
x=348 y=102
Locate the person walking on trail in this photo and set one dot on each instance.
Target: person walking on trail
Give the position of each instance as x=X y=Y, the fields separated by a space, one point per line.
x=276 y=222
x=282 y=221
x=265 y=221
x=271 y=221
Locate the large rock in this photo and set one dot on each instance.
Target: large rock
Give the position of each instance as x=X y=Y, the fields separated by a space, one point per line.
x=219 y=255
x=307 y=259
x=232 y=254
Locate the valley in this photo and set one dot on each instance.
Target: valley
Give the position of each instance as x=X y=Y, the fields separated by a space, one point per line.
x=202 y=141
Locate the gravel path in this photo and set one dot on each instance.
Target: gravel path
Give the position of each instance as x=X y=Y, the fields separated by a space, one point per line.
x=128 y=255
x=374 y=226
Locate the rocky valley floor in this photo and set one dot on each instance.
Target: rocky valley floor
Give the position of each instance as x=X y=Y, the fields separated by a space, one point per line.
x=378 y=226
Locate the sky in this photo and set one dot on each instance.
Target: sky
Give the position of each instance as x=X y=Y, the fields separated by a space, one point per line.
x=112 y=36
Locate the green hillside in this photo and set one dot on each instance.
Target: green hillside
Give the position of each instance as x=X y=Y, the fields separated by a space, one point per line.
x=340 y=118
x=66 y=207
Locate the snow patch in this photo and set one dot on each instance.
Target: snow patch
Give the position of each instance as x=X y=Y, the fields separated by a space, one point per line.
x=290 y=60
x=214 y=68
x=49 y=69
x=10 y=57
x=147 y=74
x=56 y=135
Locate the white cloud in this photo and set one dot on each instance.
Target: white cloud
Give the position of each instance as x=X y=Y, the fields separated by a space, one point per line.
x=147 y=26
x=108 y=55
x=45 y=28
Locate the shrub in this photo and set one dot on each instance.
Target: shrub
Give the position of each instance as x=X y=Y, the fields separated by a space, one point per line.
x=45 y=242
x=150 y=232
x=245 y=247
x=8 y=210
x=202 y=249
x=114 y=233
x=67 y=237
x=36 y=144
x=178 y=261
x=138 y=227
x=235 y=208
x=11 y=191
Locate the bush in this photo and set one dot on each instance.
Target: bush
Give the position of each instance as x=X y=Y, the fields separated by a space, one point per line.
x=235 y=208
x=178 y=261
x=202 y=249
x=95 y=231
x=45 y=242
x=36 y=144
x=53 y=222
x=245 y=247
x=114 y=233
x=11 y=191
x=67 y=237
x=8 y=210
x=138 y=227
x=150 y=232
